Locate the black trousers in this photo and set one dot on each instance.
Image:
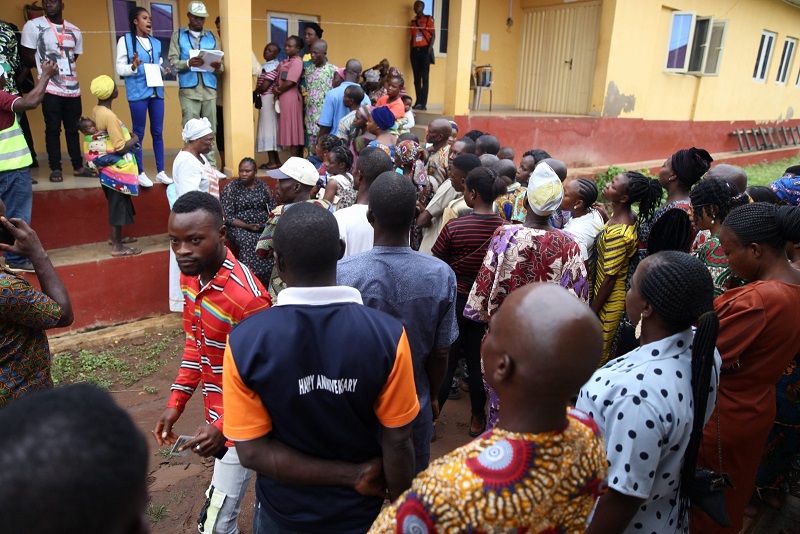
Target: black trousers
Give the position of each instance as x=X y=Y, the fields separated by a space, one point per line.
x=421 y=66
x=58 y=110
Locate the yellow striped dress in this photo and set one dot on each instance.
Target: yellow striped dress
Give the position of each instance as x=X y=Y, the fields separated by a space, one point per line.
x=615 y=246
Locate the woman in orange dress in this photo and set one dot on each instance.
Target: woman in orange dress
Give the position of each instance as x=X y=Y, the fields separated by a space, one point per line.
x=758 y=337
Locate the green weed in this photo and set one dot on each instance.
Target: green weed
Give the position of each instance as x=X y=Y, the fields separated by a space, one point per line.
x=156 y=512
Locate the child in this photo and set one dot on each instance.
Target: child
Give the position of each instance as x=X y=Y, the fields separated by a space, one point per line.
x=408 y=121
x=340 y=191
x=94 y=146
x=392 y=99
x=614 y=248
x=353 y=95
x=506 y=153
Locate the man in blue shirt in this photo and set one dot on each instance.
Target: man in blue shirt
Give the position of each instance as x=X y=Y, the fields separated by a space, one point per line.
x=334 y=109
x=417 y=289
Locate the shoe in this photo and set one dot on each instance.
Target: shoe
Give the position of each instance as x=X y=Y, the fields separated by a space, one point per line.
x=144 y=181
x=162 y=178
x=221 y=175
x=24 y=267
x=454 y=394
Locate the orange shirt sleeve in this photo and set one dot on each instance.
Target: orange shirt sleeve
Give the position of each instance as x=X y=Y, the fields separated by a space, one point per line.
x=397 y=405
x=246 y=416
x=741 y=320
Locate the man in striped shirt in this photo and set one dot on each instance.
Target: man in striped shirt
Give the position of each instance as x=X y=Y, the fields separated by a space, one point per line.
x=219 y=292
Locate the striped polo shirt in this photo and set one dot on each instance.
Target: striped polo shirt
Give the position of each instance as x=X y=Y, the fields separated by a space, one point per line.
x=209 y=314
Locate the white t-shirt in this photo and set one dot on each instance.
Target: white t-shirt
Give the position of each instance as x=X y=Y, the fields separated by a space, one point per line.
x=354 y=229
x=584 y=230
x=59 y=43
x=189 y=174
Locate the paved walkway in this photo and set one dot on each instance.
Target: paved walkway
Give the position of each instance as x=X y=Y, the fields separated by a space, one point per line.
x=771 y=521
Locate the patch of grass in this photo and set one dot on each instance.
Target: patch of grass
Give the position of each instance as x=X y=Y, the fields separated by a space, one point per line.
x=156 y=512
x=122 y=363
x=150 y=389
x=164 y=452
x=764 y=173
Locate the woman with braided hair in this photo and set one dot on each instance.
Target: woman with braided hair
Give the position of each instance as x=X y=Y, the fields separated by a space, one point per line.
x=339 y=188
x=616 y=246
x=712 y=200
x=651 y=404
x=670 y=227
x=758 y=338
x=586 y=222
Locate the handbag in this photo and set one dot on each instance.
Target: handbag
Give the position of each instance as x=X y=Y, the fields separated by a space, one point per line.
x=707 y=490
x=256 y=100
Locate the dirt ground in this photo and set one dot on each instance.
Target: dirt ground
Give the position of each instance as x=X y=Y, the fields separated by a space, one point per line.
x=177 y=484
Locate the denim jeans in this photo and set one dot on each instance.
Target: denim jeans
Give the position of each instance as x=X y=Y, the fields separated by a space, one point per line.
x=139 y=111
x=220 y=514
x=16 y=192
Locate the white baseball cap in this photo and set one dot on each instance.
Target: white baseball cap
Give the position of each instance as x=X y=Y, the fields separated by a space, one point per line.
x=298 y=169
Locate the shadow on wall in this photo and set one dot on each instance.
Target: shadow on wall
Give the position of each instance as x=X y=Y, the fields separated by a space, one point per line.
x=616 y=102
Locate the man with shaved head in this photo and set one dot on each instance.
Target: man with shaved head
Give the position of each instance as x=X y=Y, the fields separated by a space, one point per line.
x=542 y=467
x=437 y=138
x=730 y=173
x=333 y=109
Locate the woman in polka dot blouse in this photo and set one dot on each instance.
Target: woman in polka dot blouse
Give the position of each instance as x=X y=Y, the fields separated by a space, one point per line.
x=649 y=402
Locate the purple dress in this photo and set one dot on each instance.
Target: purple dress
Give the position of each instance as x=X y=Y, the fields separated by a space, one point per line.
x=290 y=120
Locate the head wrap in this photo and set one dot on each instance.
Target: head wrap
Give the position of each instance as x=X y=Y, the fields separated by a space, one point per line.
x=102 y=87
x=544 y=190
x=408 y=153
x=787 y=189
x=383 y=117
x=195 y=129
x=341 y=72
x=690 y=164
x=372 y=76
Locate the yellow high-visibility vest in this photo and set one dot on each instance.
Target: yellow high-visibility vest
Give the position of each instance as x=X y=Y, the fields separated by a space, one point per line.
x=14 y=153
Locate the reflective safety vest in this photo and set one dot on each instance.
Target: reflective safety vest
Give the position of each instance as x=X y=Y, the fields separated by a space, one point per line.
x=14 y=153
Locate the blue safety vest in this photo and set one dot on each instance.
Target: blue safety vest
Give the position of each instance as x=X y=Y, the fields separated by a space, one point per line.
x=136 y=84
x=187 y=42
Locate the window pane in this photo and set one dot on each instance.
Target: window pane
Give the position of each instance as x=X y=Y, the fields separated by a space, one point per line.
x=162 y=16
x=279 y=31
x=679 y=40
x=786 y=60
x=444 y=24
x=428 y=7
x=121 y=10
x=715 y=49
x=762 y=75
x=699 y=44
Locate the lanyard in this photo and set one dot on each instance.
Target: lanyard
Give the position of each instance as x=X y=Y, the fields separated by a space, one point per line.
x=59 y=38
x=197 y=45
x=149 y=52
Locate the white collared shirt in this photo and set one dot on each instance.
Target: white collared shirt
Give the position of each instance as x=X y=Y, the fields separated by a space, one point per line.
x=318 y=296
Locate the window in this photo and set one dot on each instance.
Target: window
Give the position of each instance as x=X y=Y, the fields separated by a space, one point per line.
x=164 y=15
x=695 y=44
x=281 y=26
x=763 y=56
x=440 y=11
x=786 y=59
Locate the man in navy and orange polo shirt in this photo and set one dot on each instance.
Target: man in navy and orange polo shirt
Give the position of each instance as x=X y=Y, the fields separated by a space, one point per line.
x=219 y=292
x=324 y=375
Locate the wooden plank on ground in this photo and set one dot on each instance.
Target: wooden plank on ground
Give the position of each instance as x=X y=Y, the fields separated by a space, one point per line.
x=75 y=341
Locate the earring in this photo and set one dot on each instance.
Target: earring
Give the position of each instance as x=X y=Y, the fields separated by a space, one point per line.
x=638 y=332
x=713 y=219
x=574 y=208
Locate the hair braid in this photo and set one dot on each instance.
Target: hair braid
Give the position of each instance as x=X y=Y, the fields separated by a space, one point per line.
x=711 y=192
x=680 y=290
x=646 y=191
x=587 y=191
x=765 y=224
x=343 y=155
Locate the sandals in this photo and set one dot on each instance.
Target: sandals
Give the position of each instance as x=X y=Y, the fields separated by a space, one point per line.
x=125 y=252
x=83 y=172
x=56 y=176
x=125 y=240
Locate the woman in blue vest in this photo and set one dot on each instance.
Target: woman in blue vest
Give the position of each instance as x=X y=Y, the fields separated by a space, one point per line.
x=136 y=50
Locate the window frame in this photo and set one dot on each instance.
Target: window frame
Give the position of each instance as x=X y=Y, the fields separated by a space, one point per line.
x=716 y=24
x=683 y=69
x=113 y=35
x=437 y=23
x=786 y=64
x=764 y=57
x=292 y=18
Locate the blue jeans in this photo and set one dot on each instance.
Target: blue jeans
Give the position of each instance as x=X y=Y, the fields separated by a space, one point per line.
x=139 y=112
x=16 y=193
x=263 y=523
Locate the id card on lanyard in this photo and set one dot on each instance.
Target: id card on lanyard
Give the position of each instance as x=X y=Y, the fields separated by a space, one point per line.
x=64 y=68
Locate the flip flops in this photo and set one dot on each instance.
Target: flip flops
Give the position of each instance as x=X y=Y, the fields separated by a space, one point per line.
x=125 y=252
x=125 y=240
x=56 y=177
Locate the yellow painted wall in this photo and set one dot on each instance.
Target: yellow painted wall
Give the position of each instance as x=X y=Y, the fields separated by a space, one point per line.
x=504 y=48
x=638 y=54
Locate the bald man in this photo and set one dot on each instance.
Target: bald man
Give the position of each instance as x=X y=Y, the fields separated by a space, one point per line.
x=730 y=173
x=314 y=101
x=536 y=363
x=438 y=137
x=334 y=109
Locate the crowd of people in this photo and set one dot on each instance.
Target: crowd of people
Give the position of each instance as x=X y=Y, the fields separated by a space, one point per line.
x=615 y=341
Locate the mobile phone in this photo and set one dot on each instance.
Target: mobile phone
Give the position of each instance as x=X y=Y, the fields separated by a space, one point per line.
x=5 y=236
